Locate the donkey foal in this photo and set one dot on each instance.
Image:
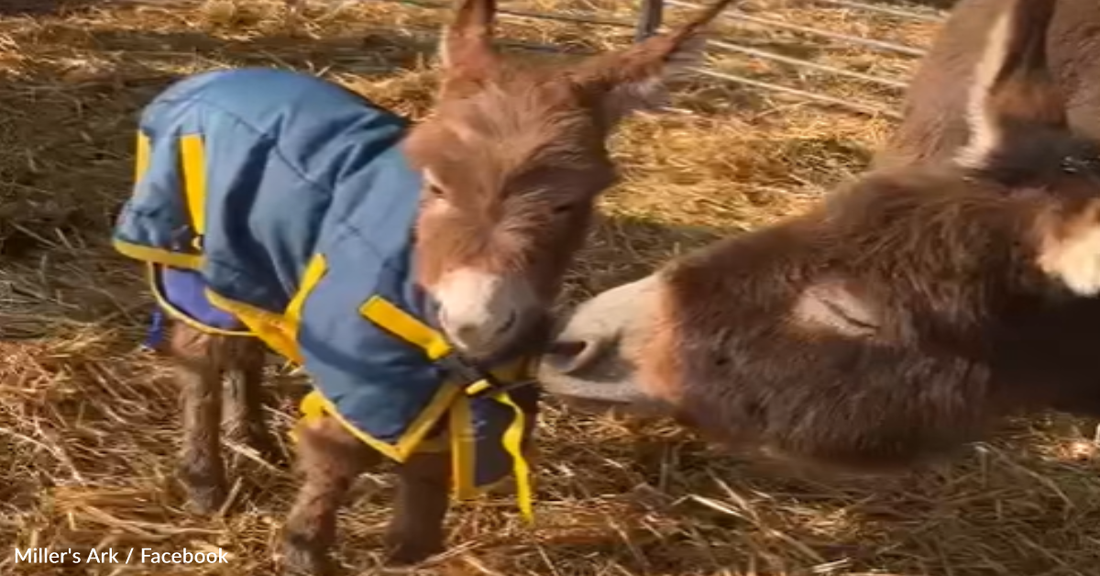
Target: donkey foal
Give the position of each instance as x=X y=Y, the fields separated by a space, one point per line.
x=409 y=269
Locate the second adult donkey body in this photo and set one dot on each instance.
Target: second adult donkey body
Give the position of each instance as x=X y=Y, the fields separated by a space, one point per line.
x=461 y=242
x=936 y=111
x=905 y=314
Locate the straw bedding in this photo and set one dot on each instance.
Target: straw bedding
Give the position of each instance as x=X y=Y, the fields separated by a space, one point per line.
x=88 y=423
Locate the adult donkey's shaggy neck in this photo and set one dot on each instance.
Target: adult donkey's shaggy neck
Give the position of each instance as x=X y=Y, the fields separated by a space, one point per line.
x=513 y=158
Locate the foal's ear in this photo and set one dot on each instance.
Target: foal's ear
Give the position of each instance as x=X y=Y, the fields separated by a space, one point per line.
x=466 y=48
x=1012 y=89
x=634 y=78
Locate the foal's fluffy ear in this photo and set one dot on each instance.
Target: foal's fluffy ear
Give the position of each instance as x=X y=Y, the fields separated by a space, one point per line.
x=1012 y=89
x=466 y=47
x=634 y=78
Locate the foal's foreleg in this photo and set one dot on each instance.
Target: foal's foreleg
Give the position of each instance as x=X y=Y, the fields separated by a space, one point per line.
x=199 y=360
x=423 y=496
x=247 y=398
x=329 y=458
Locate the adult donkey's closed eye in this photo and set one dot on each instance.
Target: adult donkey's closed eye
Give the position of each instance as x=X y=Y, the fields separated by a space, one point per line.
x=277 y=205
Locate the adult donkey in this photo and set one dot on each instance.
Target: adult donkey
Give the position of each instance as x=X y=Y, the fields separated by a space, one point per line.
x=409 y=270
x=907 y=312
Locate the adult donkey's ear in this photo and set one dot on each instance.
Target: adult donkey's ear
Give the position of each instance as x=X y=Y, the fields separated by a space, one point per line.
x=466 y=49
x=1012 y=90
x=634 y=78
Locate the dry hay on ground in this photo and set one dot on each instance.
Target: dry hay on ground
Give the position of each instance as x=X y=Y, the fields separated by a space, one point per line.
x=88 y=423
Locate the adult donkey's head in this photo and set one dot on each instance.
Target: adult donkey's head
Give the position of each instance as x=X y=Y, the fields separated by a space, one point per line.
x=513 y=159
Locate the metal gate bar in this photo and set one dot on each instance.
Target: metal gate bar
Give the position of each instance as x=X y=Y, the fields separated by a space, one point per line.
x=876 y=44
x=650 y=19
x=888 y=82
x=651 y=13
x=913 y=15
x=815 y=96
x=642 y=25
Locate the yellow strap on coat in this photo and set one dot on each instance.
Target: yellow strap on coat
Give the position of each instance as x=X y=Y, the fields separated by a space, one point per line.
x=312 y=408
x=141 y=157
x=385 y=314
x=193 y=159
x=408 y=327
x=513 y=443
x=311 y=276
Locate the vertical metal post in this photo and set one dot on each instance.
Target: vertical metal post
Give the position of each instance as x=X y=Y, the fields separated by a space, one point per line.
x=650 y=19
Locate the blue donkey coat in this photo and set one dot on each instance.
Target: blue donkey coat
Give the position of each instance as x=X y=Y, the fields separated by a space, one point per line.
x=278 y=205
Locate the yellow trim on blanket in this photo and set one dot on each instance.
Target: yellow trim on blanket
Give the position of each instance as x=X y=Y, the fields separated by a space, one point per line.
x=267 y=326
x=158 y=256
x=315 y=404
x=176 y=313
x=193 y=161
x=278 y=331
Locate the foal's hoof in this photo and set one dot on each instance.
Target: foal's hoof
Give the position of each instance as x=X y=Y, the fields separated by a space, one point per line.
x=409 y=553
x=303 y=559
x=206 y=492
x=207 y=499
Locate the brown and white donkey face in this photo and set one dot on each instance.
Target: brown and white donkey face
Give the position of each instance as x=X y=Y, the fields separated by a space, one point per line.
x=639 y=343
x=513 y=160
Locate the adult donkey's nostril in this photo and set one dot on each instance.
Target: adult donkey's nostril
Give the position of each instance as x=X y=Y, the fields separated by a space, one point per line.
x=567 y=348
x=568 y=356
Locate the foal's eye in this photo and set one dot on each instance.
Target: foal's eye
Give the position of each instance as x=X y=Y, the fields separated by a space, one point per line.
x=563 y=208
x=436 y=191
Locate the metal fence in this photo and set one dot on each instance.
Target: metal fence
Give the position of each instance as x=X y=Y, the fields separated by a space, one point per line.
x=650 y=17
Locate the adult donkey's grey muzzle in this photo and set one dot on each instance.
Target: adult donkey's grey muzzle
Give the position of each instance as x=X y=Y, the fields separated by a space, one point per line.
x=592 y=355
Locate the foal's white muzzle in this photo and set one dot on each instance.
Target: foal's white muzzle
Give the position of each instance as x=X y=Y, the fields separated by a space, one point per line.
x=481 y=313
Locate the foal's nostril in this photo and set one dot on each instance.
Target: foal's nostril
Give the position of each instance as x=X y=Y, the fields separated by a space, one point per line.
x=467 y=333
